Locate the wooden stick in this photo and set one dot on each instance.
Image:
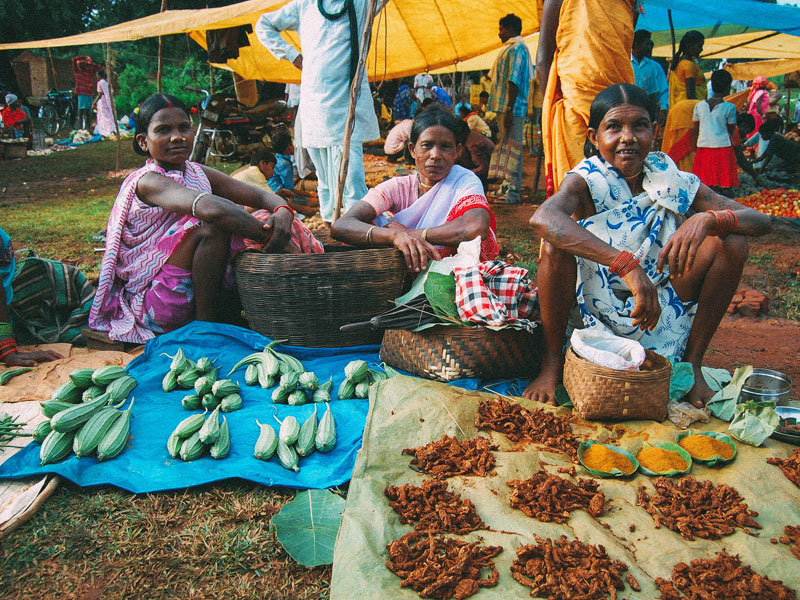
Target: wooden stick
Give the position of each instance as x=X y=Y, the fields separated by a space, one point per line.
x=160 y=52
x=110 y=75
x=355 y=91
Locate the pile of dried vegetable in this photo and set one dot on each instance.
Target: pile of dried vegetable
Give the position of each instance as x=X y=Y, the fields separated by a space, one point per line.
x=451 y=456
x=551 y=498
x=518 y=423
x=697 y=509
x=441 y=567
x=566 y=570
x=790 y=466
x=723 y=577
x=790 y=537
x=433 y=508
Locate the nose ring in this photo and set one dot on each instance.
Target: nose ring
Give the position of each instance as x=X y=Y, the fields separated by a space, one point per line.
x=175 y=139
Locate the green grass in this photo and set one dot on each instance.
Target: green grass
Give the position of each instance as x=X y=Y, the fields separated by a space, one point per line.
x=779 y=283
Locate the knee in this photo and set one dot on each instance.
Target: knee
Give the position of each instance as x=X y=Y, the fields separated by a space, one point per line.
x=212 y=232
x=736 y=248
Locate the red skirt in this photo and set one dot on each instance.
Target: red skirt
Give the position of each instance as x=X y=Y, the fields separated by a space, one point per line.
x=716 y=166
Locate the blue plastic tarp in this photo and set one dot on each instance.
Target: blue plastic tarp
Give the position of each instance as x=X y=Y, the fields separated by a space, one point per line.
x=690 y=14
x=145 y=466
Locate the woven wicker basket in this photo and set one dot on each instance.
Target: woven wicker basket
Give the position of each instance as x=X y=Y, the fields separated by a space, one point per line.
x=306 y=298
x=602 y=393
x=449 y=353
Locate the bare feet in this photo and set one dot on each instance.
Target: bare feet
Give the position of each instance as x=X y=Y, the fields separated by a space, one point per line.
x=700 y=392
x=543 y=388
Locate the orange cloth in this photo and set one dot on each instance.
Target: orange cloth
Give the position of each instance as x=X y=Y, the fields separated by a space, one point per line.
x=593 y=46
x=686 y=69
x=678 y=139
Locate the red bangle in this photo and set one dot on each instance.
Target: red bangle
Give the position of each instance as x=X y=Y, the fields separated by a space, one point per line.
x=7 y=346
x=624 y=263
x=726 y=222
x=286 y=206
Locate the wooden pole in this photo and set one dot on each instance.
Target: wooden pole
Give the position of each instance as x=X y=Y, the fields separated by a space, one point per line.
x=355 y=90
x=110 y=74
x=53 y=68
x=161 y=51
x=671 y=32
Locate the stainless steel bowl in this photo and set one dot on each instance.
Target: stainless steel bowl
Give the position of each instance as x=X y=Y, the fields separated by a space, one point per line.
x=766 y=385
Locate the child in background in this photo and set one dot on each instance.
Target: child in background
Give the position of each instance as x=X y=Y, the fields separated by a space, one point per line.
x=714 y=122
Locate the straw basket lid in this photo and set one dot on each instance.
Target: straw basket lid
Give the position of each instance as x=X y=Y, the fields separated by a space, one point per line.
x=602 y=393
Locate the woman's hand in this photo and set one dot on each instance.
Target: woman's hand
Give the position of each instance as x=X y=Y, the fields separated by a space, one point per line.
x=30 y=359
x=646 y=310
x=415 y=250
x=281 y=224
x=680 y=251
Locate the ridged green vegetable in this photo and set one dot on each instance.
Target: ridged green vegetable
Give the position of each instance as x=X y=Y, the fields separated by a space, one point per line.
x=82 y=378
x=189 y=425
x=192 y=448
x=105 y=375
x=287 y=456
x=280 y=395
x=116 y=438
x=356 y=370
x=265 y=380
x=9 y=374
x=188 y=377
x=75 y=416
x=287 y=362
x=320 y=395
x=204 y=364
x=308 y=381
x=174 y=443
x=203 y=385
x=51 y=408
x=250 y=359
x=170 y=381
x=266 y=443
x=179 y=361
x=222 y=445
x=95 y=429
x=67 y=392
x=191 y=402
x=289 y=379
x=306 y=439
x=362 y=389
x=230 y=403
x=224 y=387
x=326 y=432
x=297 y=398
x=289 y=429
x=327 y=386
x=92 y=392
x=42 y=430
x=374 y=375
x=251 y=374
x=347 y=389
x=56 y=446
x=210 y=429
x=121 y=388
x=210 y=401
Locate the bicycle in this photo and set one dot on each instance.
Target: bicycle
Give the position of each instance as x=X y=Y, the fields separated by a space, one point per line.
x=59 y=109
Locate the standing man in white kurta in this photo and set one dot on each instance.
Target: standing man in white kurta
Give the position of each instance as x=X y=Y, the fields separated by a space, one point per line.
x=325 y=91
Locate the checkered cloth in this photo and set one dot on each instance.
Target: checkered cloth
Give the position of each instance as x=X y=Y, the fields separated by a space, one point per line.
x=497 y=293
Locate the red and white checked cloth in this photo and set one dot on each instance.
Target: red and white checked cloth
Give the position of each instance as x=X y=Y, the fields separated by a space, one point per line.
x=497 y=293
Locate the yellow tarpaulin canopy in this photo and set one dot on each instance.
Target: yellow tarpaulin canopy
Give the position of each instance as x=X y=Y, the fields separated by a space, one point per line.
x=409 y=36
x=754 y=44
x=767 y=68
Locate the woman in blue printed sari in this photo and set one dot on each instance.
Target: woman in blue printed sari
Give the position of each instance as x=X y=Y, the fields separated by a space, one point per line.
x=648 y=251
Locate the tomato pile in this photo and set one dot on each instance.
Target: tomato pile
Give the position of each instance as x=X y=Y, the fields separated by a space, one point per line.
x=779 y=202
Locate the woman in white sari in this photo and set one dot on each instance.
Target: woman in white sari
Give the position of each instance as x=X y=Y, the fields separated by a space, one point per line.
x=655 y=255
x=433 y=210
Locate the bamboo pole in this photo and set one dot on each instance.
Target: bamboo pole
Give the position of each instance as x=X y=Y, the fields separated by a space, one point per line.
x=160 y=52
x=355 y=91
x=110 y=74
x=53 y=68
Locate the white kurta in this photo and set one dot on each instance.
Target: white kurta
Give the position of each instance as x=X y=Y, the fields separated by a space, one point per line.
x=325 y=81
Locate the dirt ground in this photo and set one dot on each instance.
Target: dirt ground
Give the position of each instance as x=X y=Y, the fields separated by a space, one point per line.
x=759 y=341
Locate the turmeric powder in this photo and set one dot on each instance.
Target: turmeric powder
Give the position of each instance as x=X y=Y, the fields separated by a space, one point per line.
x=704 y=447
x=600 y=458
x=660 y=460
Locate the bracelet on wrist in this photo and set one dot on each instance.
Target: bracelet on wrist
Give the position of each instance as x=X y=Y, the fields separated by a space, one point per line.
x=286 y=206
x=725 y=222
x=624 y=263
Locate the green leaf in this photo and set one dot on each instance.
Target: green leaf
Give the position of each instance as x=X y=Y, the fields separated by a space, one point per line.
x=441 y=292
x=307 y=526
x=562 y=397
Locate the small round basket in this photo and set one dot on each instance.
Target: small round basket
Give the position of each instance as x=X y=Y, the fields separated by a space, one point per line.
x=306 y=298
x=600 y=393
x=447 y=353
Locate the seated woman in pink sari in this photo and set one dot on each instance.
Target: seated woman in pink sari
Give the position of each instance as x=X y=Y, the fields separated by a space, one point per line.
x=175 y=227
x=433 y=210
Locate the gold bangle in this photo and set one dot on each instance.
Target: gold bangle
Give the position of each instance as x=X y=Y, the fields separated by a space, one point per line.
x=424 y=235
x=369 y=235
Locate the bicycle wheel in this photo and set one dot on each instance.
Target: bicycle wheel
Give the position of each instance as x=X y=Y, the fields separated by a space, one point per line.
x=50 y=120
x=200 y=150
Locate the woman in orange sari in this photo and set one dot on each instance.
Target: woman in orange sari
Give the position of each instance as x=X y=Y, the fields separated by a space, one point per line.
x=584 y=47
x=687 y=86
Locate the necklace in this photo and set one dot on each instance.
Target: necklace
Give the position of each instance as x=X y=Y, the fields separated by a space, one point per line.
x=633 y=176
x=425 y=185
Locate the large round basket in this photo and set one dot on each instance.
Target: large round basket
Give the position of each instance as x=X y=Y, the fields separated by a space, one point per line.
x=602 y=393
x=306 y=298
x=447 y=353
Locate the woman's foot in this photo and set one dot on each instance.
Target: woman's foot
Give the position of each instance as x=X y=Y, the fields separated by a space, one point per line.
x=543 y=388
x=700 y=392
